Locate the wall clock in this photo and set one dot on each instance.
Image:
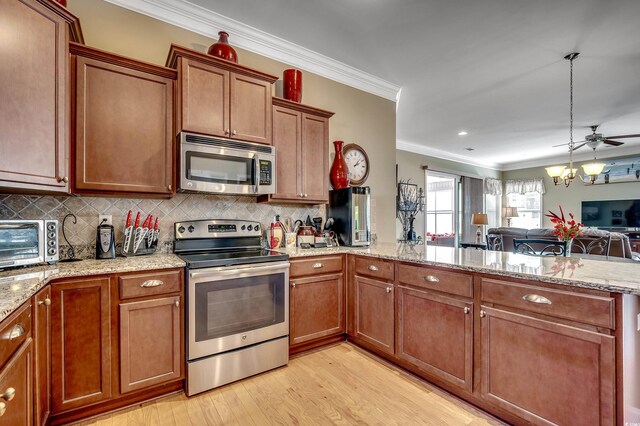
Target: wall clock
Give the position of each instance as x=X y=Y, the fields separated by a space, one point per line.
x=357 y=163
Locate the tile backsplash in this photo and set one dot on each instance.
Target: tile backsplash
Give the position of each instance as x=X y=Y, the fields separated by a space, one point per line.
x=82 y=235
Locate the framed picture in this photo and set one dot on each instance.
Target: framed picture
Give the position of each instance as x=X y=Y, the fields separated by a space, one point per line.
x=617 y=171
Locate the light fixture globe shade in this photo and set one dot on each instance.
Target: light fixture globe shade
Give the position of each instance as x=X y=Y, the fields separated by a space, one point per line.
x=593 y=169
x=569 y=172
x=555 y=171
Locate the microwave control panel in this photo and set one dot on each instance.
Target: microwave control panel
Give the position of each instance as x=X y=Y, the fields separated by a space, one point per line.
x=265 y=172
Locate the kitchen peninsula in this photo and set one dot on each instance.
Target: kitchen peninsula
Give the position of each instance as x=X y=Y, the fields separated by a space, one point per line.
x=473 y=322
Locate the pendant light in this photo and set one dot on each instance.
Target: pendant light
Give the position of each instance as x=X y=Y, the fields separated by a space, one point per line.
x=594 y=169
x=561 y=173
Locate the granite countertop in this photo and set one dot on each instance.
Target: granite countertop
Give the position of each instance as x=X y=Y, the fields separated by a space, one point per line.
x=595 y=272
x=18 y=285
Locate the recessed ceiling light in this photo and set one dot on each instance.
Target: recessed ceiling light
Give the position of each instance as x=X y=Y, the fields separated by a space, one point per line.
x=462 y=133
x=470 y=149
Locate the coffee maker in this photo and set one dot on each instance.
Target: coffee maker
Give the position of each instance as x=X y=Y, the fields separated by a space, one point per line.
x=351 y=210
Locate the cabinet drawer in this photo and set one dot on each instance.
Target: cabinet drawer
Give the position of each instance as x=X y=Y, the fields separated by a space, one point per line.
x=315 y=266
x=584 y=308
x=457 y=283
x=375 y=268
x=14 y=331
x=149 y=284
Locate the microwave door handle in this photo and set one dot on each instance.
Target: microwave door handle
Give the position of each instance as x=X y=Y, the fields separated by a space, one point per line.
x=256 y=171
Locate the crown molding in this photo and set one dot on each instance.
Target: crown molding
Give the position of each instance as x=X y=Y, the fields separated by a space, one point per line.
x=189 y=16
x=432 y=152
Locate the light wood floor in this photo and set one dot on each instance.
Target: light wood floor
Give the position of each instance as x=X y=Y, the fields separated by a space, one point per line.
x=340 y=384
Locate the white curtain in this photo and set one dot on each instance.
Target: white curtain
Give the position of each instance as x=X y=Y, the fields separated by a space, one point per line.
x=493 y=187
x=522 y=186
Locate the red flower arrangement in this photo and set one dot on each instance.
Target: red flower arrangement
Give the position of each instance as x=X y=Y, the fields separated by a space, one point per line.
x=564 y=229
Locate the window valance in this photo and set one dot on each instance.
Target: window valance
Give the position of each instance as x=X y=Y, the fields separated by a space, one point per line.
x=493 y=186
x=522 y=186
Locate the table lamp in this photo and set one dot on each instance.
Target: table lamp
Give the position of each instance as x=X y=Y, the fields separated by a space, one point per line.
x=479 y=219
x=508 y=213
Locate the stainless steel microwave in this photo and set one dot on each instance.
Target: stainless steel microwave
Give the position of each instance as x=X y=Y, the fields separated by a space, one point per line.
x=224 y=166
x=28 y=242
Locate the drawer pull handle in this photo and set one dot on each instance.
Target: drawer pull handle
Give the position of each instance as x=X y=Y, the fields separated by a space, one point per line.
x=536 y=298
x=432 y=279
x=152 y=283
x=15 y=332
x=373 y=268
x=9 y=394
x=3 y=408
x=45 y=302
x=467 y=309
x=317 y=265
x=389 y=289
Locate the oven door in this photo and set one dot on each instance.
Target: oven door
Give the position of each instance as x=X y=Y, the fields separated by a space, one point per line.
x=237 y=306
x=21 y=242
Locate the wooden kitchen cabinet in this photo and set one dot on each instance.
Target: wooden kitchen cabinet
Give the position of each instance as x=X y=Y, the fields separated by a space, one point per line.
x=42 y=355
x=434 y=332
x=16 y=388
x=80 y=343
x=301 y=138
x=220 y=98
x=374 y=305
x=546 y=372
x=124 y=135
x=35 y=106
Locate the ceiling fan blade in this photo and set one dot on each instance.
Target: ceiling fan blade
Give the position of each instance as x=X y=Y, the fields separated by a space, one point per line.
x=613 y=143
x=579 y=146
x=565 y=144
x=624 y=136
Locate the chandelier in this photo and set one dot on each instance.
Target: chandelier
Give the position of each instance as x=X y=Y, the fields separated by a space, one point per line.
x=562 y=173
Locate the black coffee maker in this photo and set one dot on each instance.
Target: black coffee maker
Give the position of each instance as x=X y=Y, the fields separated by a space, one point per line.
x=105 y=241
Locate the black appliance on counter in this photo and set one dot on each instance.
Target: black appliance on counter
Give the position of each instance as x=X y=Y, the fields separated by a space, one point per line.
x=105 y=241
x=351 y=210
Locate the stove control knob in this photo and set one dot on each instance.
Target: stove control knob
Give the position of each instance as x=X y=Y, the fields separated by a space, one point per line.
x=181 y=229
x=191 y=228
x=256 y=228
x=249 y=228
x=243 y=227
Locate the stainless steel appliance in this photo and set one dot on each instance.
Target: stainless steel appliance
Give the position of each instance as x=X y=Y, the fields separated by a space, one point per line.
x=237 y=302
x=28 y=242
x=351 y=210
x=226 y=166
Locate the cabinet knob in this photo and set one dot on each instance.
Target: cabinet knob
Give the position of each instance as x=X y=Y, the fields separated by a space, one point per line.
x=235 y=133
x=62 y=179
x=3 y=408
x=389 y=289
x=45 y=302
x=8 y=395
x=293 y=285
x=467 y=310
x=177 y=303
x=226 y=132
x=170 y=188
x=483 y=314
x=306 y=195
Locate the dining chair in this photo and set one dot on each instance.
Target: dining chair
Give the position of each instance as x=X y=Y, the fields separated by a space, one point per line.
x=540 y=247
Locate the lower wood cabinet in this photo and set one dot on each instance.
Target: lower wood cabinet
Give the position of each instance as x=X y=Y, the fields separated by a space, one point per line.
x=434 y=332
x=316 y=308
x=150 y=343
x=42 y=354
x=16 y=388
x=374 y=313
x=545 y=372
x=80 y=343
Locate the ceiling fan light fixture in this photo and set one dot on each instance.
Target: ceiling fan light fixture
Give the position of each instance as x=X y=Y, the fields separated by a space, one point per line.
x=593 y=169
x=555 y=171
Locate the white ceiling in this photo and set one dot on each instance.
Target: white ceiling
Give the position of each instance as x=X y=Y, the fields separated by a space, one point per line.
x=493 y=67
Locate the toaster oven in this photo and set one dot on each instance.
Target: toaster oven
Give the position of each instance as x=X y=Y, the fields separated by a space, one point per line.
x=28 y=242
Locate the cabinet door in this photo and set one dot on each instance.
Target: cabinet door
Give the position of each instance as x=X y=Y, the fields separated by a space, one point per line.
x=315 y=158
x=80 y=343
x=204 y=98
x=150 y=343
x=316 y=308
x=547 y=373
x=374 y=305
x=435 y=333
x=287 y=139
x=34 y=111
x=42 y=354
x=250 y=109
x=17 y=376
x=124 y=129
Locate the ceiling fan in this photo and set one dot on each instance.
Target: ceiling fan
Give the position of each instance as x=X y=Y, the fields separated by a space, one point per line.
x=594 y=140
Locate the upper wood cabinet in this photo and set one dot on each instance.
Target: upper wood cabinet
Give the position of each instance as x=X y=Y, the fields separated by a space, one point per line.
x=34 y=94
x=301 y=138
x=221 y=98
x=124 y=134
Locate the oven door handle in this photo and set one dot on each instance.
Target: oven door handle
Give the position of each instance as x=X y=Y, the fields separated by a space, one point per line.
x=225 y=271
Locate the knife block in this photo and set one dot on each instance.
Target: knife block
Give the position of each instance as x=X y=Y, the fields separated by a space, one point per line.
x=144 y=248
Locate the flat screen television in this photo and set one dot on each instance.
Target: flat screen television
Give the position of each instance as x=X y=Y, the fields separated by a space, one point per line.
x=611 y=213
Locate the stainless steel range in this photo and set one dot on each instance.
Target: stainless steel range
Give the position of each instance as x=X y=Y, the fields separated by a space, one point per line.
x=237 y=302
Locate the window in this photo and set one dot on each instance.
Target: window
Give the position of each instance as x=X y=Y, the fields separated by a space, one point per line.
x=492 y=204
x=529 y=207
x=440 y=206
